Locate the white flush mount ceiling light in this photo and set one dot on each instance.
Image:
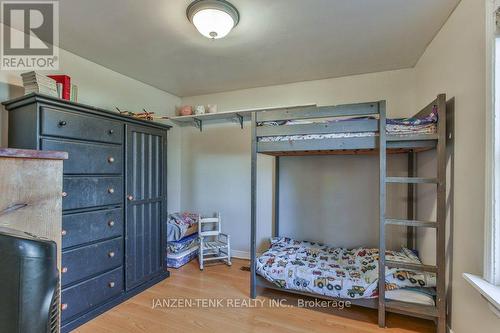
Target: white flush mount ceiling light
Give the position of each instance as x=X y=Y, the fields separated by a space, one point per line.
x=213 y=18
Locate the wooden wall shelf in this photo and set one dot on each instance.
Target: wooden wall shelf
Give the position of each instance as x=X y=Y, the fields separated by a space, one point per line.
x=238 y=116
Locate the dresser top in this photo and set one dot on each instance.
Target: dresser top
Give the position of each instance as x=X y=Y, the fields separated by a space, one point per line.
x=54 y=101
x=33 y=154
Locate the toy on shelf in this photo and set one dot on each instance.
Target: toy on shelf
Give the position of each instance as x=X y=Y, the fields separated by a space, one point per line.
x=145 y=115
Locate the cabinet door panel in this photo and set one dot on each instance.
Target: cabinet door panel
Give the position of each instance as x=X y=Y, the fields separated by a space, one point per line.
x=145 y=208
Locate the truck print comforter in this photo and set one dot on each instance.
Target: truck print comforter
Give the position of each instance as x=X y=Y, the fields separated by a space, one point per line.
x=336 y=272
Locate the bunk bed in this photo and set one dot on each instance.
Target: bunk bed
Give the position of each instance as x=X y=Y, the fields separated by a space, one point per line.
x=355 y=129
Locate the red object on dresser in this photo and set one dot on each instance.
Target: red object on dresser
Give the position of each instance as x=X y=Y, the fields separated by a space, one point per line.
x=66 y=83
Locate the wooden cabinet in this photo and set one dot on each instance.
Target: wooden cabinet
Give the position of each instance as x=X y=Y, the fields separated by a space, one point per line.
x=31 y=187
x=114 y=199
x=146 y=195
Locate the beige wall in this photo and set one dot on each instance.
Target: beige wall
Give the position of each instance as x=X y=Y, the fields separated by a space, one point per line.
x=328 y=199
x=104 y=88
x=455 y=63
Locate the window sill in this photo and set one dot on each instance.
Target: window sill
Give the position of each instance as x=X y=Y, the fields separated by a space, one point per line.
x=489 y=291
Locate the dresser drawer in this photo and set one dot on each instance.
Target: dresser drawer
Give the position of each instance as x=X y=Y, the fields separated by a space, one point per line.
x=92 y=259
x=88 y=158
x=89 y=227
x=83 y=192
x=78 y=126
x=83 y=296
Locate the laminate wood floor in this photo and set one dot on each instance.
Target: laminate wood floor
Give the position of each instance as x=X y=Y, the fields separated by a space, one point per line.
x=231 y=286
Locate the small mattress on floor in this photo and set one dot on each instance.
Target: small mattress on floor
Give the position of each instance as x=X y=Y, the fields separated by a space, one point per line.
x=176 y=260
x=338 y=272
x=180 y=225
x=182 y=244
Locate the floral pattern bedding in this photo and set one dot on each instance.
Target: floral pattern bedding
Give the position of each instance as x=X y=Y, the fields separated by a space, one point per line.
x=336 y=272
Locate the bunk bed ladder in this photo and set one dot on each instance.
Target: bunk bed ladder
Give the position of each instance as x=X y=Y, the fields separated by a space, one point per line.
x=438 y=312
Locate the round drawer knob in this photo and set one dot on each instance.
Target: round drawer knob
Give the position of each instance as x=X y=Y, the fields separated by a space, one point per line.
x=62 y=123
x=63 y=232
x=65 y=269
x=111 y=159
x=130 y=197
x=64 y=306
x=111 y=254
x=111 y=190
x=111 y=223
x=111 y=131
x=64 y=194
x=111 y=284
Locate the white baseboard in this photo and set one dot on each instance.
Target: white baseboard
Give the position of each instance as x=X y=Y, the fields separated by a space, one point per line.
x=240 y=254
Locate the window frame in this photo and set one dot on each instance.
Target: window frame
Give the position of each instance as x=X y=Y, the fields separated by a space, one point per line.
x=491 y=271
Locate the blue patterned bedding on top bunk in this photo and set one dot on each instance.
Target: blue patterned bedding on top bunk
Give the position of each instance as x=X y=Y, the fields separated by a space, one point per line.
x=336 y=272
x=396 y=126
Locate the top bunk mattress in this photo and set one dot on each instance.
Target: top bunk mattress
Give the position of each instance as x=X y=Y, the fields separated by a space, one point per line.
x=398 y=126
x=336 y=272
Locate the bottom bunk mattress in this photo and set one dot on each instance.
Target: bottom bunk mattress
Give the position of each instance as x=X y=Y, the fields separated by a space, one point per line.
x=179 y=259
x=338 y=272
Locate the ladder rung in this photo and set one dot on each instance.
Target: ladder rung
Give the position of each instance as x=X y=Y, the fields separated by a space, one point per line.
x=411 y=180
x=209 y=220
x=411 y=223
x=413 y=137
x=411 y=308
x=406 y=265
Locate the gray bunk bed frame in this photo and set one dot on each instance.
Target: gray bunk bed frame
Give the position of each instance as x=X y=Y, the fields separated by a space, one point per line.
x=380 y=145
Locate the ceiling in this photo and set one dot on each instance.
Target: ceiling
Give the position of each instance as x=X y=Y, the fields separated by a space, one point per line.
x=276 y=42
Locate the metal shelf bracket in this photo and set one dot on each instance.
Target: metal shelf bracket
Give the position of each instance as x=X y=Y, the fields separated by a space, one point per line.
x=198 y=123
x=240 y=119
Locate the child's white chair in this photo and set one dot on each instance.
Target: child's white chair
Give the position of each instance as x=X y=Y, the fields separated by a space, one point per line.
x=214 y=245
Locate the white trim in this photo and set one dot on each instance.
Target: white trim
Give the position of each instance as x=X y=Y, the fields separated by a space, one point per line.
x=489 y=291
x=489 y=170
x=492 y=184
x=240 y=254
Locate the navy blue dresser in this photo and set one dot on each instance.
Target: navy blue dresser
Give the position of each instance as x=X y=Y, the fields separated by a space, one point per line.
x=114 y=199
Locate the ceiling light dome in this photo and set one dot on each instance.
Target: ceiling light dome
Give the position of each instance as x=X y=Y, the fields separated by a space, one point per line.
x=213 y=18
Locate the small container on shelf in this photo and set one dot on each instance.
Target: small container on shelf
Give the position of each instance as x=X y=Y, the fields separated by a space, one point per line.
x=199 y=109
x=185 y=110
x=212 y=108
